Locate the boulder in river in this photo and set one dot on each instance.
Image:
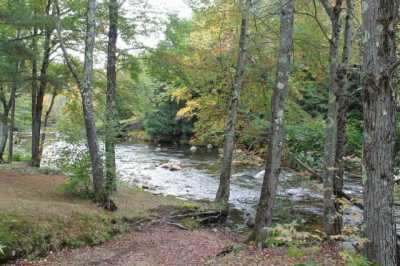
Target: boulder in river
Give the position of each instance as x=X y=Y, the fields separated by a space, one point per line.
x=210 y=146
x=172 y=165
x=193 y=149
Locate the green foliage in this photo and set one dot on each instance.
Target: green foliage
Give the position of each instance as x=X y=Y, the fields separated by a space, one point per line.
x=75 y=163
x=354 y=259
x=354 y=136
x=2 y=247
x=288 y=235
x=162 y=124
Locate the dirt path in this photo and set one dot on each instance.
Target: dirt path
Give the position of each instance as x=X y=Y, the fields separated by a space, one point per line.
x=151 y=245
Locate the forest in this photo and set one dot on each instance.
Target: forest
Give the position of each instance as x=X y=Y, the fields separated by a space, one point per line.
x=224 y=132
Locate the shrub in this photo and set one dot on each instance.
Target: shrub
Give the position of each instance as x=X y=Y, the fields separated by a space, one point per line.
x=75 y=163
x=354 y=259
x=288 y=235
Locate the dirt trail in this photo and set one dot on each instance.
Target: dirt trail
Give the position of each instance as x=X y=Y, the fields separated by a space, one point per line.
x=151 y=245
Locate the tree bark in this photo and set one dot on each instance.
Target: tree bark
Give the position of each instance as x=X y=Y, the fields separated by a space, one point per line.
x=34 y=90
x=276 y=133
x=3 y=136
x=343 y=102
x=86 y=94
x=379 y=59
x=46 y=122
x=111 y=113
x=39 y=96
x=332 y=217
x=223 y=192
x=12 y=103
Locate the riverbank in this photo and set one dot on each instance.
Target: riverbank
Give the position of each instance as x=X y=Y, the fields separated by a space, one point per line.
x=36 y=217
x=41 y=225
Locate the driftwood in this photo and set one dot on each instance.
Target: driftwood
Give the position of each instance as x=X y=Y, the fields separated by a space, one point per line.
x=206 y=217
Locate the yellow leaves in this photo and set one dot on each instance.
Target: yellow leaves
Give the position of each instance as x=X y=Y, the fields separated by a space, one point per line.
x=181 y=94
x=189 y=110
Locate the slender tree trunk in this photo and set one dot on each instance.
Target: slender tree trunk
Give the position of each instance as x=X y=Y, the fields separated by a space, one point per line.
x=11 y=137
x=38 y=107
x=12 y=103
x=3 y=136
x=86 y=93
x=223 y=192
x=46 y=122
x=332 y=219
x=379 y=60
x=111 y=114
x=34 y=90
x=276 y=133
x=343 y=99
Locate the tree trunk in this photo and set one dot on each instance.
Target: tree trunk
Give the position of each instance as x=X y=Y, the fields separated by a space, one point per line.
x=276 y=133
x=111 y=113
x=379 y=59
x=342 y=97
x=3 y=136
x=39 y=96
x=34 y=91
x=332 y=218
x=11 y=137
x=46 y=122
x=343 y=100
x=86 y=94
x=12 y=103
x=223 y=192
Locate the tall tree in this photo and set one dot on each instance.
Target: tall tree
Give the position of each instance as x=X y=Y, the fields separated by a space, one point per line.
x=39 y=92
x=276 y=133
x=13 y=99
x=342 y=96
x=86 y=94
x=332 y=220
x=85 y=87
x=379 y=19
x=111 y=116
x=229 y=140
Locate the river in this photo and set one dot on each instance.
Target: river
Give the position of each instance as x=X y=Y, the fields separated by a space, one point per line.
x=139 y=164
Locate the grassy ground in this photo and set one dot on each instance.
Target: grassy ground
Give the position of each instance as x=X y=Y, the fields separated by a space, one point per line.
x=37 y=217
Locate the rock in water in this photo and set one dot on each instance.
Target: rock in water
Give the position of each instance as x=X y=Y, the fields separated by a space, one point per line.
x=172 y=165
x=193 y=149
x=210 y=146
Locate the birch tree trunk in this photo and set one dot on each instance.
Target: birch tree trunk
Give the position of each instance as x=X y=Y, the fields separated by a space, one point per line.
x=86 y=94
x=379 y=59
x=111 y=114
x=223 y=192
x=276 y=133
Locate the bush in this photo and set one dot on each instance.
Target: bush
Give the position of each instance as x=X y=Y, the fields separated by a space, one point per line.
x=75 y=162
x=354 y=259
x=288 y=235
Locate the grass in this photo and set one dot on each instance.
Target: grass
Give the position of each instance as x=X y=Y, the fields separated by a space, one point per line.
x=37 y=217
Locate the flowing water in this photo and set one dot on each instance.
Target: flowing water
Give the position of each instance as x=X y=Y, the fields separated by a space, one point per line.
x=140 y=164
